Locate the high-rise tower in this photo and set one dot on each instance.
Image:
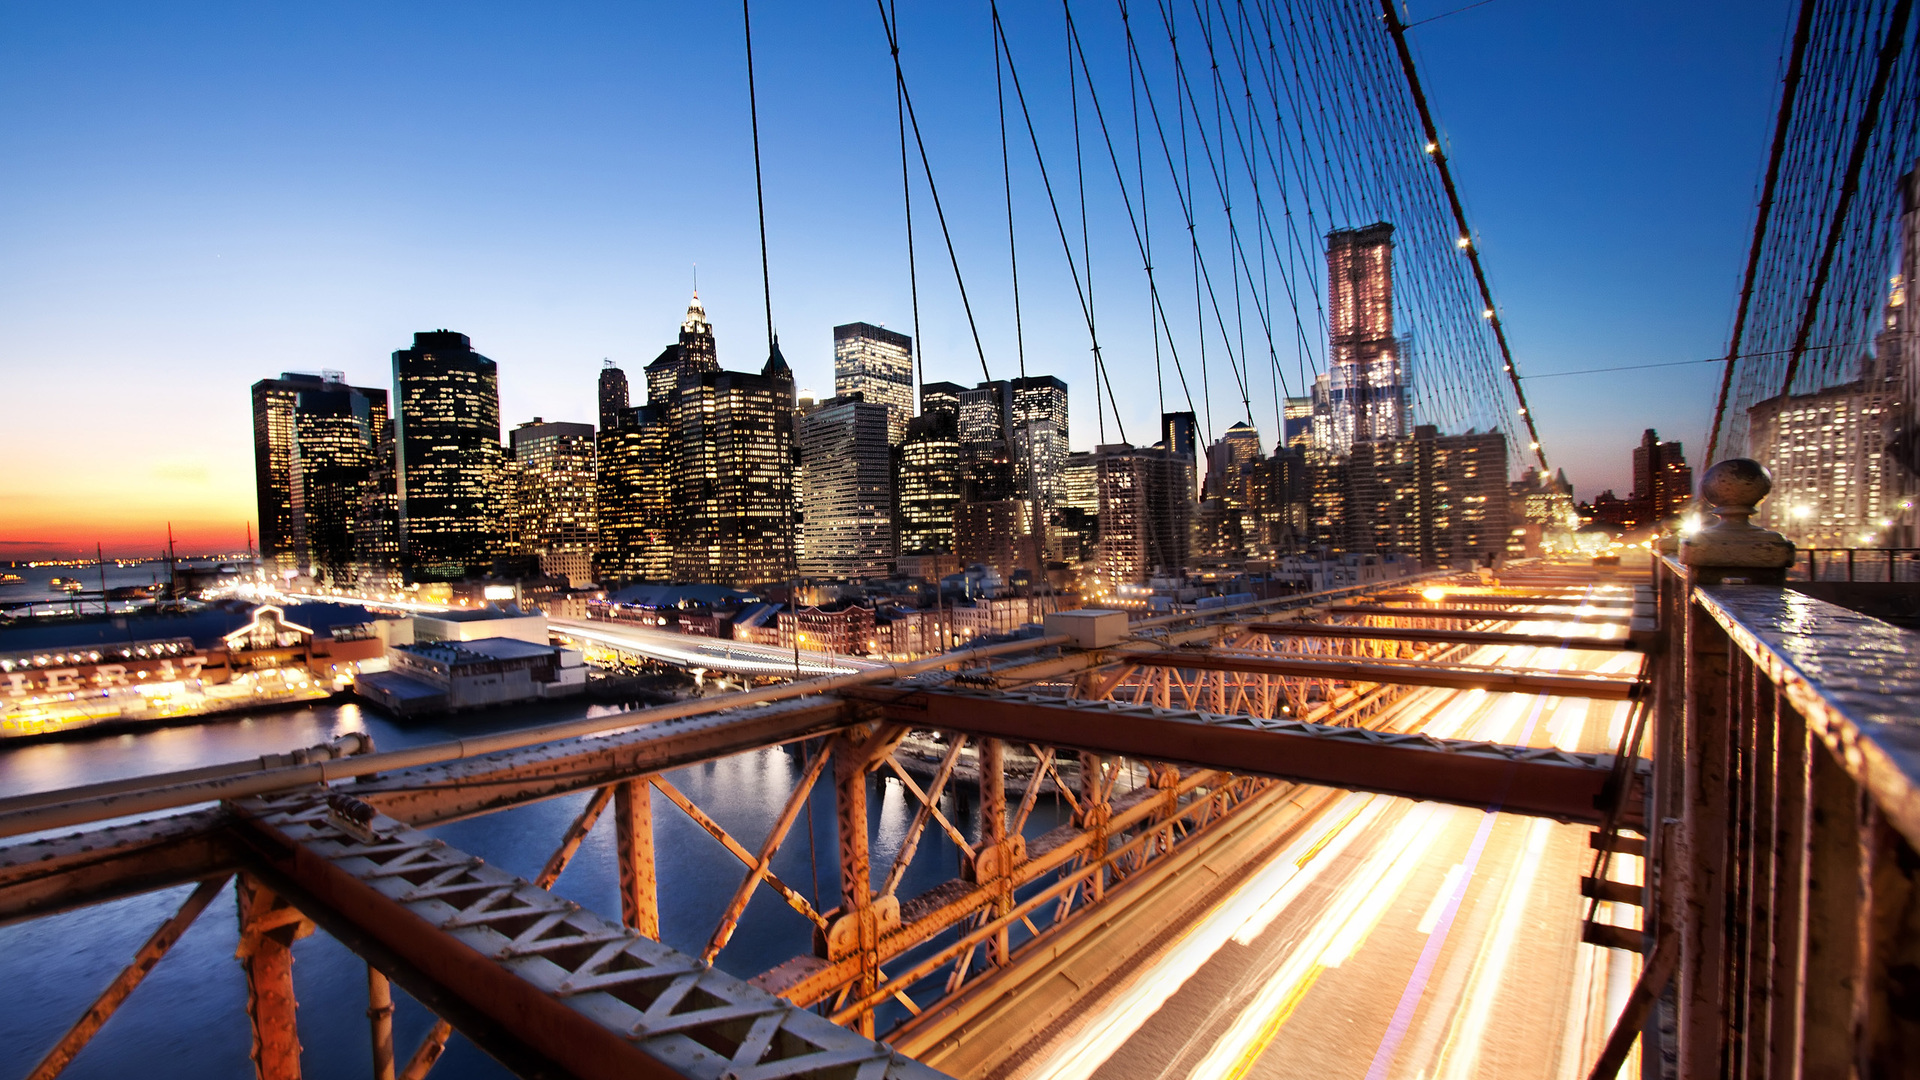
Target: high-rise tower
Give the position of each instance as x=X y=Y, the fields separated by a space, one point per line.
x=1364 y=395
x=554 y=497
x=613 y=396
x=877 y=364
x=448 y=438
x=846 y=490
x=279 y=489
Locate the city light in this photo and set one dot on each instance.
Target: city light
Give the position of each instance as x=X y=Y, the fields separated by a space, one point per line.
x=1434 y=593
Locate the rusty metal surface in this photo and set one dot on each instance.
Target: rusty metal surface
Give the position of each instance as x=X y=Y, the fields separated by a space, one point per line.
x=1402 y=672
x=595 y=997
x=49 y=875
x=1541 y=782
x=1478 y=614
x=1855 y=679
x=1306 y=628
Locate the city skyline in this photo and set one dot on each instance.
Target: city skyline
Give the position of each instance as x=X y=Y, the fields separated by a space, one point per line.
x=197 y=278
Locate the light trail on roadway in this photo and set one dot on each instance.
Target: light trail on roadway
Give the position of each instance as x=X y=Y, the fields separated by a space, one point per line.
x=1392 y=939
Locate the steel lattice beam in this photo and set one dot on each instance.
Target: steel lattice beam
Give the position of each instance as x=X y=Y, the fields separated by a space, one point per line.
x=1540 y=782
x=594 y=997
x=1404 y=673
x=1478 y=614
x=1457 y=637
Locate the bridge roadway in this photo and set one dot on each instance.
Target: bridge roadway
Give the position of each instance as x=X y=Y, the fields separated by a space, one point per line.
x=1387 y=938
x=711 y=654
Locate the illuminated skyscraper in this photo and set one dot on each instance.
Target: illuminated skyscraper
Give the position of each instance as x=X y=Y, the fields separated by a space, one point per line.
x=730 y=435
x=1662 y=480
x=554 y=497
x=336 y=430
x=942 y=397
x=846 y=490
x=633 y=504
x=1363 y=395
x=376 y=520
x=448 y=438
x=1039 y=436
x=928 y=484
x=1439 y=498
x=277 y=463
x=693 y=355
x=877 y=364
x=1146 y=513
x=1228 y=461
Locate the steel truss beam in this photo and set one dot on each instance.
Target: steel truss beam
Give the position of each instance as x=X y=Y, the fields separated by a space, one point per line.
x=44 y=877
x=593 y=996
x=1457 y=637
x=1508 y=599
x=1540 y=782
x=1478 y=614
x=1406 y=673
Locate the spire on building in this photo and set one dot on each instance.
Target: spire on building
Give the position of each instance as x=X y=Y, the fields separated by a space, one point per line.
x=696 y=322
x=776 y=367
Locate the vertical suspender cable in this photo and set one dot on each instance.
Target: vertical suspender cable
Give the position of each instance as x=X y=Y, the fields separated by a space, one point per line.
x=759 y=192
x=1789 y=89
x=906 y=195
x=1439 y=156
x=1863 y=135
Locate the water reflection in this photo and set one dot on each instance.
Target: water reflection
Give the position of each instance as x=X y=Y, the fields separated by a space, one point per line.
x=188 y=1020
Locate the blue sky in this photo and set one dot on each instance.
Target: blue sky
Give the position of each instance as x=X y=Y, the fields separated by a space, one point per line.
x=195 y=196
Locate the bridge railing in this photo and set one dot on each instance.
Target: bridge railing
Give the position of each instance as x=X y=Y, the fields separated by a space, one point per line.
x=1856 y=564
x=1784 y=897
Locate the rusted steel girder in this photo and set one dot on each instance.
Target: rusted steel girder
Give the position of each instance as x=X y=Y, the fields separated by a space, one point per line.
x=109 y=1001
x=43 y=877
x=808 y=980
x=1405 y=673
x=595 y=998
x=758 y=872
x=380 y=1022
x=1556 y=598
x=1543 y=783
x=268 y=928
x=1478 y=614
x=1456 y=637
x=633 y=847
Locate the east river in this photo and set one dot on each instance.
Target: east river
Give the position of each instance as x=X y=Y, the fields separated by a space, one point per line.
x=188 y=1019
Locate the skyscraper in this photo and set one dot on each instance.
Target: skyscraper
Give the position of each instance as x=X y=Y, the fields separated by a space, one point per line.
x=928 y=484
x=1439 y=498
x=877 y=364
x=1662 y=480
x=1146 y=510
x=613 y=395
x=846 y=490
x=1227 y=462
x=942 y=397
x=1039 y=436
x=986 y=413
x=376 y=520
x=276 y=460
x=633 y=497
x=1363 y=396
x=336 y=429
x=731 y=439
x=554 y=497
x=448 y=438
x=693 y=355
